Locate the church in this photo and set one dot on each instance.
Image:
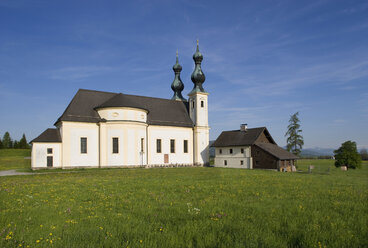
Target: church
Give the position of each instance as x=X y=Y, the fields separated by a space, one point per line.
x=104 y=129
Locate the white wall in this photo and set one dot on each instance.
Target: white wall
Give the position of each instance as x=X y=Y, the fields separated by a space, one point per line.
x=233 y=160
x=198 y=114
x=123 y=114
x=129 y=135
x=71 y=136
x=165 y=133
x=39 y=155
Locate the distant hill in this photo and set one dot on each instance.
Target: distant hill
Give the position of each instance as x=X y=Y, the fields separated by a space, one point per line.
x=317 y=151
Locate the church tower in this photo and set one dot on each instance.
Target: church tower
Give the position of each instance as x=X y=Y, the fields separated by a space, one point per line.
x=198 y=110
x=177 y=85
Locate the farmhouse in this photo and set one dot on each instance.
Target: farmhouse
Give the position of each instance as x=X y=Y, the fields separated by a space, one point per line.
x=105 y=129
x=251 y=148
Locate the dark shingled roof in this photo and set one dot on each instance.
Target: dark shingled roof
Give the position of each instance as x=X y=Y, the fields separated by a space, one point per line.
x=238 y=138
x=51 y=135
x=160 y=111
x=276 y=151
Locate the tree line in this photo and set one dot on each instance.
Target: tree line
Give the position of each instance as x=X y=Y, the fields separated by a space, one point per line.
x=8 y=143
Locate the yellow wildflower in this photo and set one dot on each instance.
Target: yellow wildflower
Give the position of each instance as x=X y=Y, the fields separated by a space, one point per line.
x=37 y=241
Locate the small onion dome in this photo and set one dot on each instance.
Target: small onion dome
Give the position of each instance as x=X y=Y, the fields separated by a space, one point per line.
x=177 y=85
x=197 y=56
x=177 y=67
x=198 y=76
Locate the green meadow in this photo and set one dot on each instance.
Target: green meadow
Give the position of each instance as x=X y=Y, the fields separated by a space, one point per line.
x=13 y=159
x=186 y=207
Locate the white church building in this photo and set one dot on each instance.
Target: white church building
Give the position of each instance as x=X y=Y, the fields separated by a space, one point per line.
x=103 y=129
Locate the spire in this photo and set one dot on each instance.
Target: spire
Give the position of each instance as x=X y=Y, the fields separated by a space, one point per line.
x=177 y=85
x=198 y=77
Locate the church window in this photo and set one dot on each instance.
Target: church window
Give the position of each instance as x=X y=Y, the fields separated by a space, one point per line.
x=115 y=145
x=220 y=151
x=225 y=162
x=142 y=144
x=242 y=150
x=192 y=104
x=83 y=144
x=202 y=104
x=241 y=162
x=172 y=146
x=158 y=145
x=49 y=150
x=231 y=151
x=185 y=146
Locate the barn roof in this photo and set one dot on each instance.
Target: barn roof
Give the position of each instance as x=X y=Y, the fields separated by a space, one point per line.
x=240 y=138
x=164 y=112
x=276 y=151
x=50 y=135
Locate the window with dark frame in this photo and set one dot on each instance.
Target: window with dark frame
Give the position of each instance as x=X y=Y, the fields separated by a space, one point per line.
x=192 y=104
x=185 y=146
x=242 y=150
x=115 y=145
x=49 y=150
x=231 y=151
x=83 y=144
x=241 y=162
x=158 y=145
x=225 y=162
x=172 y=146
x=202 y=104
x=220 y=151
x=142 y=144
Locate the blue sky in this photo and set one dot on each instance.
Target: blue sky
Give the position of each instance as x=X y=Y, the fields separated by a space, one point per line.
x=263 y=61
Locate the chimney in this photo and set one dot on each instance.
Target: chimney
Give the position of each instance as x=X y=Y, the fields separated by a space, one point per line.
x=243 y=127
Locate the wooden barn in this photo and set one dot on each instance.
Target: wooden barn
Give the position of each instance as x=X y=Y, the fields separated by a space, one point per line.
x=251 y=148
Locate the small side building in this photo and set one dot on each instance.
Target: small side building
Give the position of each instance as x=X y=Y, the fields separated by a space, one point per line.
x=250 y=148
x=46 y=150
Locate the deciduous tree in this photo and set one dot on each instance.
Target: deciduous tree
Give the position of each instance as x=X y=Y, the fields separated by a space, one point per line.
x=347 y=155
x=294 y=141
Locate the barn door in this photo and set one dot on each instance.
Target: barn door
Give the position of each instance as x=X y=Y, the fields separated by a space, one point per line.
x=49 y=161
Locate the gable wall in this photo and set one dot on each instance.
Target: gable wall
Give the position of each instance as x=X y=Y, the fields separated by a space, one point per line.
x=263 y=139
x=262 y=159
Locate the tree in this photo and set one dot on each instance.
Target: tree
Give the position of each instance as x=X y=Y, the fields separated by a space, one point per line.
x=364 y=154
x=7 y=141
x=294 y=141
x=347 y=155
x=16 y=144
x=1 y=144
x=23 y=144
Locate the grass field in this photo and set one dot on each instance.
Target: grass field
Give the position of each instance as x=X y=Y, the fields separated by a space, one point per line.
x=186 y=207
x=12 y=159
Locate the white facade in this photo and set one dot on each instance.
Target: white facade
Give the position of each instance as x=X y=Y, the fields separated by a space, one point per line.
x=42 y=152
x=198 y=111
x=135 y=142
x=234 y=157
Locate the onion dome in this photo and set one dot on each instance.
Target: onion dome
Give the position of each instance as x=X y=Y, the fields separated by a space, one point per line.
x=177 y=85
x=198 y=77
